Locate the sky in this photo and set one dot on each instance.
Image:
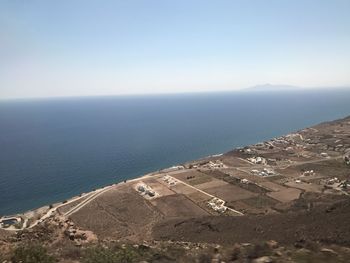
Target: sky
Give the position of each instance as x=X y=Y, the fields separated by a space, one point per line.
x=87 y=48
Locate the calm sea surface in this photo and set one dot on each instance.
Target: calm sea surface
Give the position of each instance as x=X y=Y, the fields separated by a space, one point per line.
x=53 y=149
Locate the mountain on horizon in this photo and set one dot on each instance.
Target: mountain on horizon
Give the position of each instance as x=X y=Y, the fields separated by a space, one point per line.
x=272 y=87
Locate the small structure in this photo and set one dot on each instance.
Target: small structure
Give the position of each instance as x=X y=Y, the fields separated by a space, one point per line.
x=325 y=155
x=308 y=173
x=257 y=160
x=347 y=158
x=247 y=151
x=7 y=222
x=267 y=172
x=244 y=181
x=255 y=172
x=214 y=165
x=345 y=185
x=332 y=181
x=290 y=150
x=217 y=205
x=169 y=180
x=145 y=190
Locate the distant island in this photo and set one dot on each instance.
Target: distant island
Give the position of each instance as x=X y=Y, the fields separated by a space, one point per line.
x=272 y=87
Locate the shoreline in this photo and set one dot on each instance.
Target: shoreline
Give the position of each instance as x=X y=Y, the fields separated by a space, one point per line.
x=33 y=217
x=51 y=181
x=85 y=194
x=24 y=217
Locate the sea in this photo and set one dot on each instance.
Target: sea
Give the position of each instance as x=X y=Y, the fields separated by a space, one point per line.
x=53 y=149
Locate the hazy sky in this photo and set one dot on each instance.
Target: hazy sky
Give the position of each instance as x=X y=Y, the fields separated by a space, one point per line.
x=69 y=47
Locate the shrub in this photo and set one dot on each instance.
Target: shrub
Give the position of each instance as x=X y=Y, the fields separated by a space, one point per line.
x=31 y=254
x=258 y=250
x=70 y=251
x=107 y=255
x=204 y=258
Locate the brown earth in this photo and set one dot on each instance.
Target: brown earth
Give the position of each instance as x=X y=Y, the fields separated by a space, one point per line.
x=120 y=213
x=177 y=206
x=331 y=168
x=325 y=224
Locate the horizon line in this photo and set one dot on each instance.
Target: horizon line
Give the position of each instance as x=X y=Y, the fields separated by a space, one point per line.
x=255 y=88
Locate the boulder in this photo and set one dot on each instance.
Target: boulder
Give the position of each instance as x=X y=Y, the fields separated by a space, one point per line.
x=264 y=259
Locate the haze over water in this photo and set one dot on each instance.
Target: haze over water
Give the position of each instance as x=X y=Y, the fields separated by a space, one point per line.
x=52 y=149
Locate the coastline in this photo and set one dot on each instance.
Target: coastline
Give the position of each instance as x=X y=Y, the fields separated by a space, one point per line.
x=83 y=195
x=51 y=209
x=80 y=163
x=33 y=217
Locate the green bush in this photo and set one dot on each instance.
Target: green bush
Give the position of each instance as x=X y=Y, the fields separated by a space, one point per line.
x=107 y=255
x=31 y=254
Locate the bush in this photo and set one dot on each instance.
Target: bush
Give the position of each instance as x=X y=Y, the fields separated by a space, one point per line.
x=31 y=254
x=258 y=250
x=70 y=251
x=204 y=258
x=106 y=255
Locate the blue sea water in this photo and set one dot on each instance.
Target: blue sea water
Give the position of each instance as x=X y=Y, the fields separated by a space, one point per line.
x=52 y=149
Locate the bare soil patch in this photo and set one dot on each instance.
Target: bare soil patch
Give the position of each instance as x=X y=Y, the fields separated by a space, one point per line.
x=183 y=189
x=230 y=193
x=273 y=187
x=192 y=177
x=261 y=201
x=251 y=186
x=260 y=204
x=158 y=187
x=211 y=184
x=285 y=195
x=198 y=197
x=326 y=168
x=309 y=187
x=120 y=213
x=324 y=224
x=177 y=206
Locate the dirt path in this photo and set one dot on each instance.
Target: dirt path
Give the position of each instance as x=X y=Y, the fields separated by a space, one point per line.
x=203 y=192
x=95 y=195
x=46 y=215
x=86 y=201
